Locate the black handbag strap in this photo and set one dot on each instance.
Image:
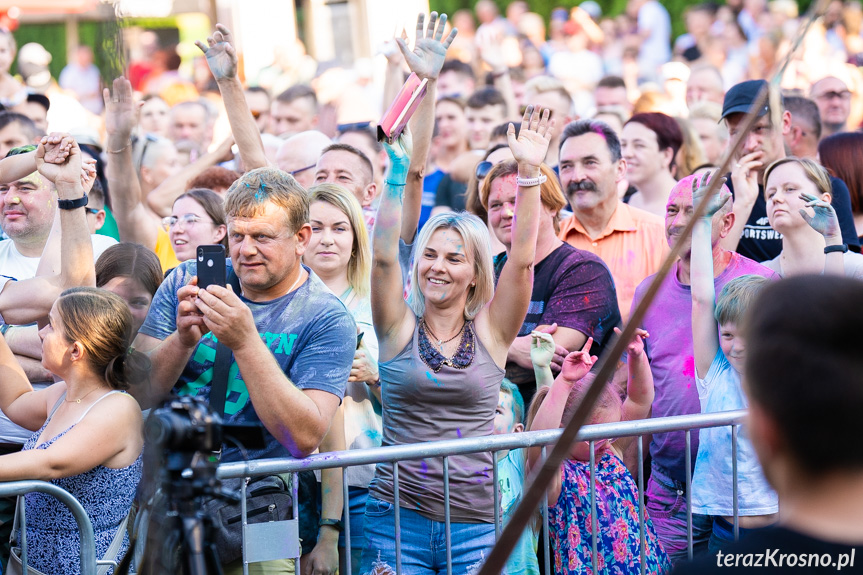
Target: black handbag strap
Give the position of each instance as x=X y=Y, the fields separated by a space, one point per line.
x=222 y=363
x=225 y=357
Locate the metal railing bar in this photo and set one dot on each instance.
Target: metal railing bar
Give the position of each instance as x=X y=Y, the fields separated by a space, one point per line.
x=451 y=447
x=85 y=526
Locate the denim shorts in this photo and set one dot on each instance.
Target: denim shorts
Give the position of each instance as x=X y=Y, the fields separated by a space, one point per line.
x=423 y=542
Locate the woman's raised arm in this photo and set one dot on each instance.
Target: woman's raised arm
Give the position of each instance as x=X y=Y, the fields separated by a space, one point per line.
x=509 y=305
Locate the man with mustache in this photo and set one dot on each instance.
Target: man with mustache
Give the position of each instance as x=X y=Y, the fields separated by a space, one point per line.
x=630 y=241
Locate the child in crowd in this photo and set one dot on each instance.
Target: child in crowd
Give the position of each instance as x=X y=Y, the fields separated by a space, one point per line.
x=569 y=516
x=510 y=477
x=719 y=355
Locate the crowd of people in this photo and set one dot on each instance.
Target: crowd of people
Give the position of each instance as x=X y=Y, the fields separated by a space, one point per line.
x=459 y=280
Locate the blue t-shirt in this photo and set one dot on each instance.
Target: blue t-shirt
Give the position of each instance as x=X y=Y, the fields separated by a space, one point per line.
x=309 y=332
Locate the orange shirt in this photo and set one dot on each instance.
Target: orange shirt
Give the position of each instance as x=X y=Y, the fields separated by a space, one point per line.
x=632 y=245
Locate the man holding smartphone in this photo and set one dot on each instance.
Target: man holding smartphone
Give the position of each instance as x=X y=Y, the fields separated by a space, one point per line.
x=292 y=340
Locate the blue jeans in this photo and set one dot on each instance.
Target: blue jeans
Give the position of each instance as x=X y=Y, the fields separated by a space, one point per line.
x=666 y=505
x=357 y=509
x=423 y=543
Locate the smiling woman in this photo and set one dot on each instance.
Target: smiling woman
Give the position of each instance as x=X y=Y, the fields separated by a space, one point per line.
x=197 y=218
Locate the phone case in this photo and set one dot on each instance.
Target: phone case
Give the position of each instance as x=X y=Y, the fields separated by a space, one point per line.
x=395 y=119
x=211 y=265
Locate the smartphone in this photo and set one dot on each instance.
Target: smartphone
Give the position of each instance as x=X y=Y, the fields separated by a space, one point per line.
x=359 y=339
x=211 y=265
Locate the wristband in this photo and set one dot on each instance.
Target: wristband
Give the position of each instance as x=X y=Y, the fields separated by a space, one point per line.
x=841 y=248
x=4 y=328
x=73 y=204
x=530 y=182
x=334 y=523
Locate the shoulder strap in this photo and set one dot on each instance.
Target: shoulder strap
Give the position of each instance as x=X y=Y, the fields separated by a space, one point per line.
x=114 y=548
x=57 y=405
x=92 y=405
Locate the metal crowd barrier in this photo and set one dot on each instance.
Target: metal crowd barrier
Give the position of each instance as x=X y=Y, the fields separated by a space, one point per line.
x=85 y=527
x=495 y=443
x=443 y=449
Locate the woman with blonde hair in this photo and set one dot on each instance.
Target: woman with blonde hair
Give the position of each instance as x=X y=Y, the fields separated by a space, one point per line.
x=443 y=351
x=811 y=242
x=339 y=252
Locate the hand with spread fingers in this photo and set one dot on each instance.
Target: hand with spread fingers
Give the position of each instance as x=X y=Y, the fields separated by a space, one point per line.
x=429 y=53
x=531 y=145
x=220 y=53
x=824 y=220
x=699 y=191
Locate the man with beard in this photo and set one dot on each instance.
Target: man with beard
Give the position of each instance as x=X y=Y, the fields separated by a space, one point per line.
x=630 y=241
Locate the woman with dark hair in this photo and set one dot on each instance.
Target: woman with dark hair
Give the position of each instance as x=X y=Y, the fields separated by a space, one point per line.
x=649 y=143
x=132 y=272
x=840 y=154
x=88 y=433
x=197 y=218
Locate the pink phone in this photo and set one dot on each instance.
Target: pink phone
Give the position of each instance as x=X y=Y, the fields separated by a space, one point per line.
x=395 y=119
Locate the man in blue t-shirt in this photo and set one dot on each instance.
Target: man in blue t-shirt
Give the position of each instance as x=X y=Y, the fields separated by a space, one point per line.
x=292 y=339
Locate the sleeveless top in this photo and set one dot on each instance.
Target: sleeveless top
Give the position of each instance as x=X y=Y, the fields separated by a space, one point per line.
x=420 y=405
x=53 y=540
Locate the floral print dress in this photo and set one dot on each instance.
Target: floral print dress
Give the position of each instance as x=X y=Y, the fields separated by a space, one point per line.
x=617 y=512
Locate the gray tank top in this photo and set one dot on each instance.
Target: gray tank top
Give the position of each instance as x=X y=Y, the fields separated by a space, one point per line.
x=420 y=405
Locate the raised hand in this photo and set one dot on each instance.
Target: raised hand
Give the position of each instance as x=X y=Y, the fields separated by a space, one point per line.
x=532 y=143
x=636 y=346
x=121 y=114
x=430 y=47
x=541 y=349
x=69 y=172
x=824 y=221
x=699 y=191
x=489 y=44
x=220 y=52
x=578 y=363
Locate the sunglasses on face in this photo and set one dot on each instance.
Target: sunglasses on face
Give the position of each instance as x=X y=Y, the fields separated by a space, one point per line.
x=482 y=169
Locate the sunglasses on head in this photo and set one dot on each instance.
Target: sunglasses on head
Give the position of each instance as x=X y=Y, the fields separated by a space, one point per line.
x=483 y=168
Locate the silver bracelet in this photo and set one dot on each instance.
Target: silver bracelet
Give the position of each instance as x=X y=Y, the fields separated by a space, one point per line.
x=530 y=182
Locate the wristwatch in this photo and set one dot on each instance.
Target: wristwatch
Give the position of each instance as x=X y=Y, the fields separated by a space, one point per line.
x=73 y=204
x=334 y=523
x=841 y=248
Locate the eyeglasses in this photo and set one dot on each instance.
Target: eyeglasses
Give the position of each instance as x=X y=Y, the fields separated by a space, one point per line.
x=844 y=95
x=482 y=169
x=93 y=211
x=295 y=172
x=187 y=219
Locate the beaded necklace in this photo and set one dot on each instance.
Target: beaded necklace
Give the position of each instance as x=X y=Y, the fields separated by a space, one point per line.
x=462 y=357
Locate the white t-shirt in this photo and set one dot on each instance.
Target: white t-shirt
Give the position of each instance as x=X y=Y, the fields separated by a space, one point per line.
x=712 y=486
x=16 y=266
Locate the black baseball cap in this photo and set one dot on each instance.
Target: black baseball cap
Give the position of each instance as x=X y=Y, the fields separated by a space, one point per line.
x=741 y=96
